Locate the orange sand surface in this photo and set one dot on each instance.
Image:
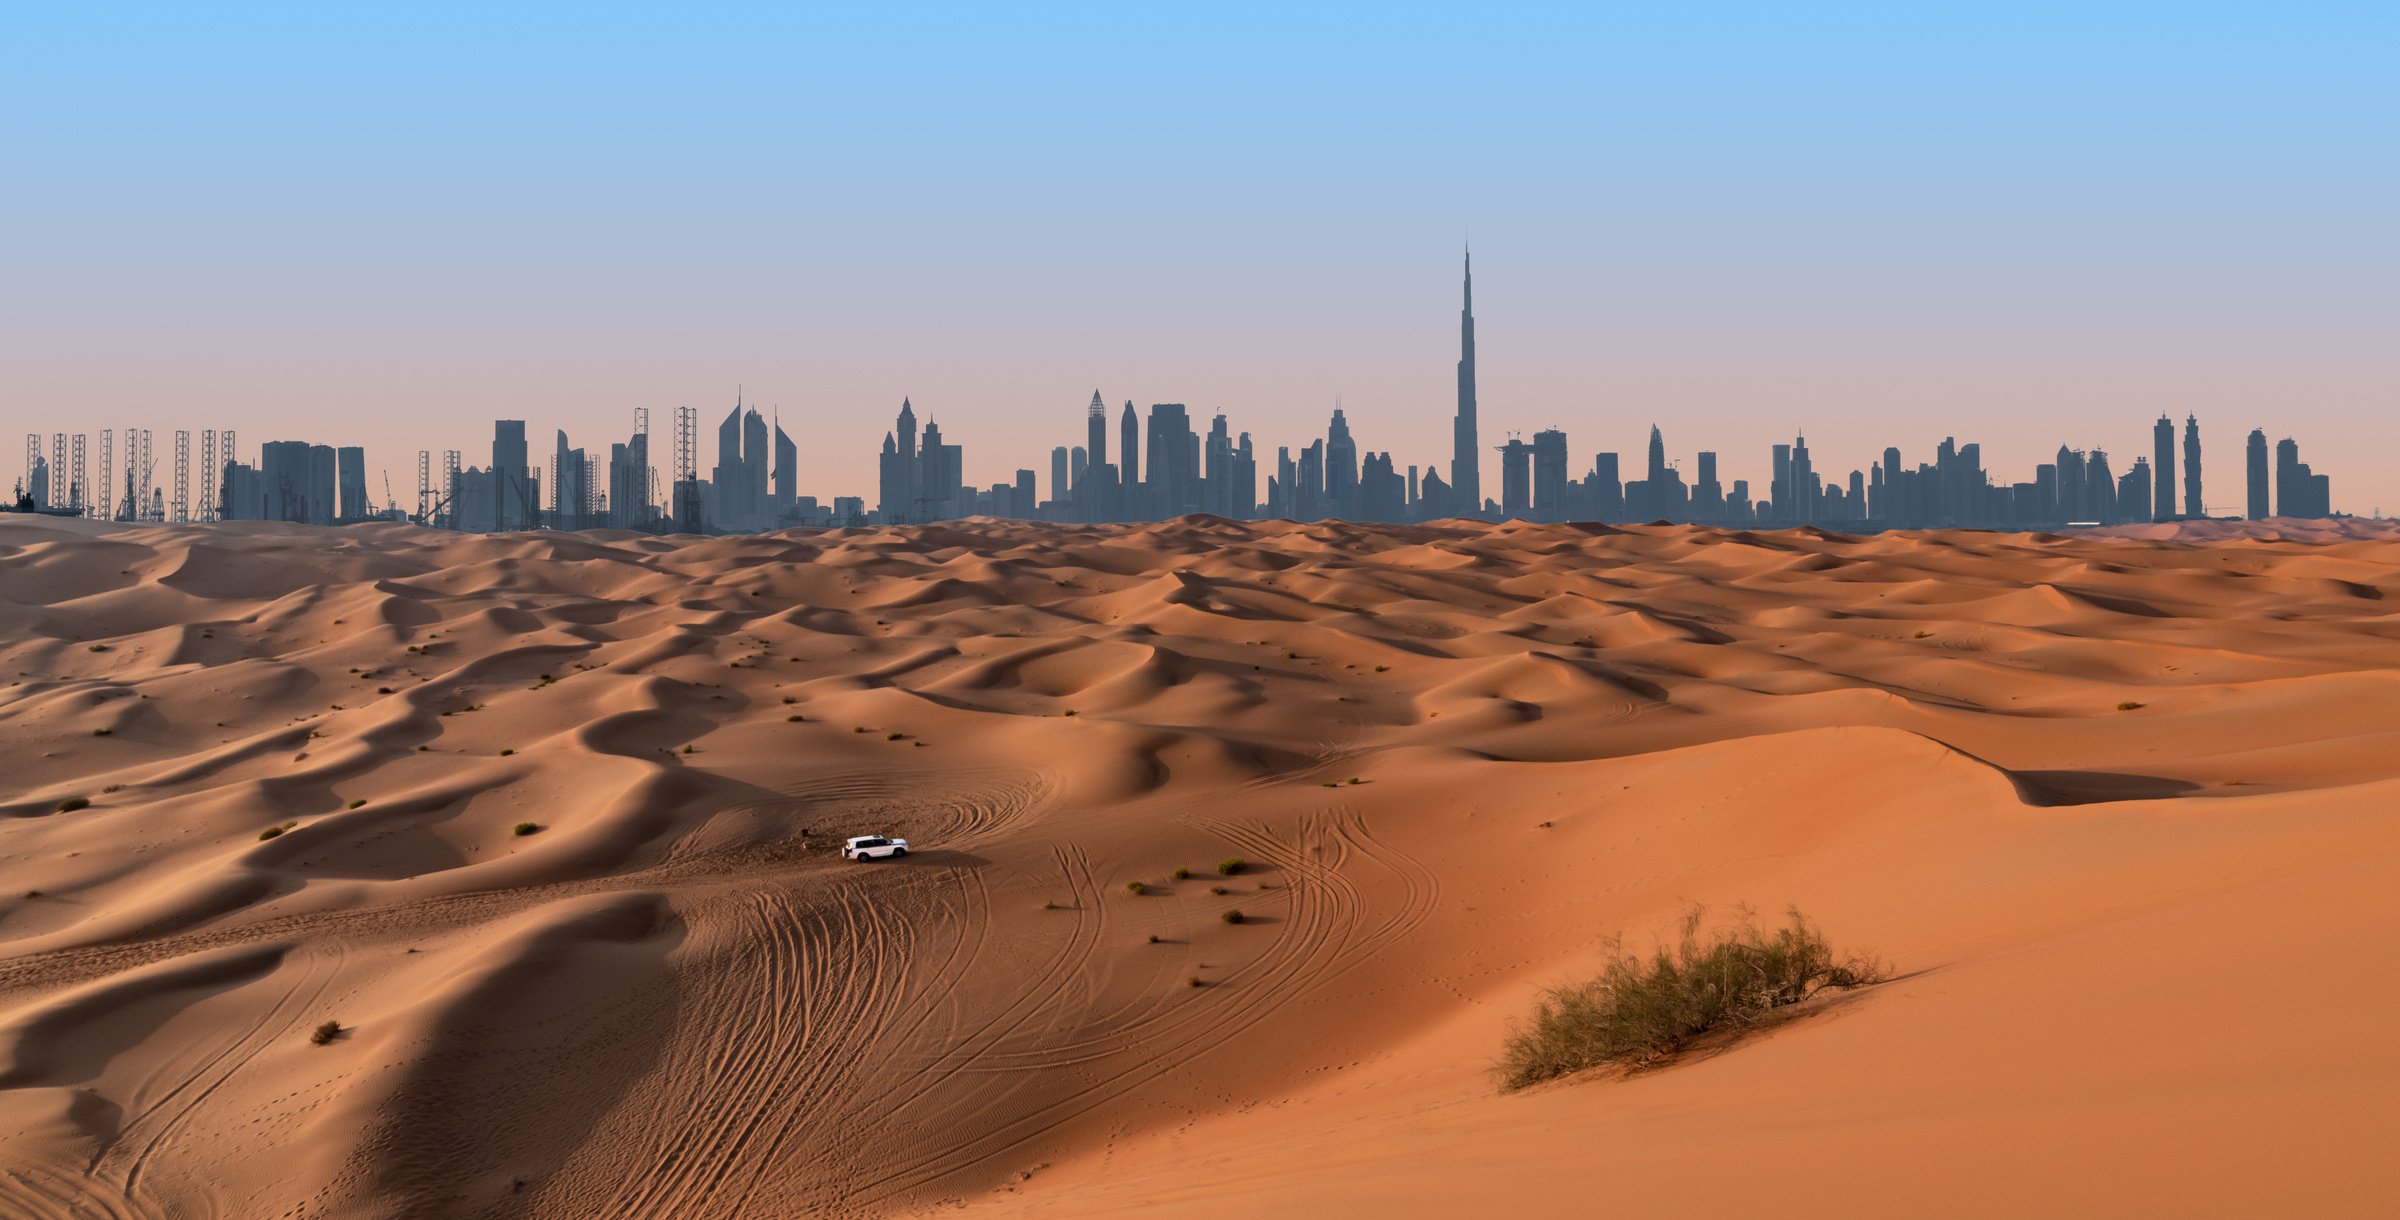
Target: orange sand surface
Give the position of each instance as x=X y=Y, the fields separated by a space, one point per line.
x=2123 y=815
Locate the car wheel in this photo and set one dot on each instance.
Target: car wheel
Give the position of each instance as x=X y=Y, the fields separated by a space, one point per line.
x=898 y=852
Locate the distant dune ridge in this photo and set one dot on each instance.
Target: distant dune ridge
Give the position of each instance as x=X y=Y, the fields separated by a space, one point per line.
x=557 y=820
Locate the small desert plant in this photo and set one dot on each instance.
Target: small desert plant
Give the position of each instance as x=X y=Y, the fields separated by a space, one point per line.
x=1154 y=938
x=1219 y=891
x=1232 y=917
x=1230 y=865
x=359 y=802
x=794 y=719
x=102 y=732
x=1070 y=711
x=1137 y=888
x=272 y=832
x=1195 y=982
x=99 y=648
x=1643 y=1009
x=2127 y=706
x=522 y=829
x=73 y=803
x=1923 y=634
x=506 y=753
x=895 y=737
x=325 y=1033
x=1049 y=906
x=860 y=729
x=1182 y=874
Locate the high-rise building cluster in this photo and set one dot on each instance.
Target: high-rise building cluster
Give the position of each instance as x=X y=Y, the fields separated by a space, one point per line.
x=1161 y=466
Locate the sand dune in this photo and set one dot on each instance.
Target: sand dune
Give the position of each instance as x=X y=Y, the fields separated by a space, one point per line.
x=2117 y=807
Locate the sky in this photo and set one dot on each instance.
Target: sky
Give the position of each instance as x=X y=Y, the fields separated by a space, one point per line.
x=2024 y=225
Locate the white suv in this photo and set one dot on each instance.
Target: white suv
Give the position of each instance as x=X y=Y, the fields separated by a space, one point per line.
x=872 y=847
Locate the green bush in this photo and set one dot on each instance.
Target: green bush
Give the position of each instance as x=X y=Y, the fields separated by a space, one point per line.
x=1182 y=874
x=1233 y=917
x=1136 y=888
x=73 y=803
x=270 y=833
x=1231 y=865
x=522 y=829
x=1641 y=1010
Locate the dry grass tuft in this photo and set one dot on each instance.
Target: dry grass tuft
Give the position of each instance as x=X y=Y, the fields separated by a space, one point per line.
x=1642 y=1010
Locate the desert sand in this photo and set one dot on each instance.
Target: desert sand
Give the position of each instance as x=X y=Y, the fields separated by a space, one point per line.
x=2120 y=812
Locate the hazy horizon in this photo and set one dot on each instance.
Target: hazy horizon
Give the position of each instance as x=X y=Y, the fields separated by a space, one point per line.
x=1873 y=224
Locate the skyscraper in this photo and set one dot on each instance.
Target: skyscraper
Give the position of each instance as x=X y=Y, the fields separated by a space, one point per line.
x=2162 y=468
x=511 y=477
x=2258 y=508
x=1516 y=481
x=787 y=474
x=1341 y=468
x=350 y=463
x=1466 y=481
x=1129 y=466
x=1550 y=475
x=2192 y=507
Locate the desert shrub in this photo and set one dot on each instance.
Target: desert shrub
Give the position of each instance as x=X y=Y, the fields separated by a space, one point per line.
x=1643 y=1009
x=1232 y=917
x=1136 y=888
x=358 y=803
x=1154 y=938
x=325 y=1033
x=522 y=829
x=102 y=732
x=1219 y=891
x=506 y=753
x=270 y=833
x=1231 y=865
x=794 y=719
x=1182 y=874
x=73 y=803
x=99 y=648
x=2127 y=706
x=894 y=737
x=1049 y=906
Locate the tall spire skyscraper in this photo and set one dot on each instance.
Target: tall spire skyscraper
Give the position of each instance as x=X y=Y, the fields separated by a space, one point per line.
x=1466 y=483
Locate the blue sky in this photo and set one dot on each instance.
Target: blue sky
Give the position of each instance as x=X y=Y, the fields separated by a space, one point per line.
x=2021 y=224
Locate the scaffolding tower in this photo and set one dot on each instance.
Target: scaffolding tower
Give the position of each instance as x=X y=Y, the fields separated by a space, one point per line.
x=208 y=475
x=183 y=476
x=424 y=484
x=105 y=502
x=61 y=479
x=450 y=503
x=138 y=471
x=80 y=491
x=33 y=458
x=687 y=469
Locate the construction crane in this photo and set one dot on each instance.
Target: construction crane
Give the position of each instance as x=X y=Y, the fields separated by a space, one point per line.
x=391 y=506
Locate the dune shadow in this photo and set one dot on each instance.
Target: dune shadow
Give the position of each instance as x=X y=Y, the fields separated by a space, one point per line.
x=2098 y=787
